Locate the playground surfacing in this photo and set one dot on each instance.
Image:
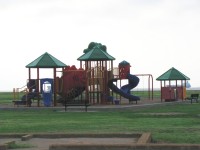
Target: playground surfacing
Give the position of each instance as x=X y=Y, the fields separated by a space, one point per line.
x=43 y=144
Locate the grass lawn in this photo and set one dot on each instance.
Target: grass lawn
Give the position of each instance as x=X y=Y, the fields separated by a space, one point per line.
x=179 y=123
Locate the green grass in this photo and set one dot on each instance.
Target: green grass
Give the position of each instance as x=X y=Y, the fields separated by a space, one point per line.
x=174 y=128
x=178 y=123
x=6 y=97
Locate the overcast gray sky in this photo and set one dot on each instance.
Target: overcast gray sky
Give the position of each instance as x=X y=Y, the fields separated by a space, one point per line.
x=152 y=35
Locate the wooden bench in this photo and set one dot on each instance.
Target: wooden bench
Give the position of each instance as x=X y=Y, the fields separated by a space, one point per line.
x=193 y=97
x=77 y=103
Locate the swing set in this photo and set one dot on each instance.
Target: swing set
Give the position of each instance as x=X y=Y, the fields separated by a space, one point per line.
x=150 y=85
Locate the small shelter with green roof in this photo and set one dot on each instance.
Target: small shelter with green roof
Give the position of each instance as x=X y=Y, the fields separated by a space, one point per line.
x=99 y=66
x=173 y=90
x=46 y=60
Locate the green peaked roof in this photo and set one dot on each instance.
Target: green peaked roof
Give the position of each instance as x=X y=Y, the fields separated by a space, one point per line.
x=96 y=54
x=46 y=61
x=172 y=74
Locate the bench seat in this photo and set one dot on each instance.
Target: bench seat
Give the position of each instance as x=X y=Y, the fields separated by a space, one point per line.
x=77 y=103
x=193 y=97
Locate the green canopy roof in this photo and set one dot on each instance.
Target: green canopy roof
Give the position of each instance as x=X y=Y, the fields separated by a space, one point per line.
x=95 y=54
x=172 y=74
x=46 y=61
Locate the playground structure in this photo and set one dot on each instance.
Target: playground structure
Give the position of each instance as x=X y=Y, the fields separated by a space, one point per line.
x=29 y=93
x=95 y=81
x=125 y=90
x=95 y=78
x=172 y=92
x=44 y=89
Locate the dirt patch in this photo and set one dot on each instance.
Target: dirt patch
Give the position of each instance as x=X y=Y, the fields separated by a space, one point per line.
x=42 y=142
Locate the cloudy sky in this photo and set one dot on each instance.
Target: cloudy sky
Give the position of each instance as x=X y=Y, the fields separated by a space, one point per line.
x=152 y=35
